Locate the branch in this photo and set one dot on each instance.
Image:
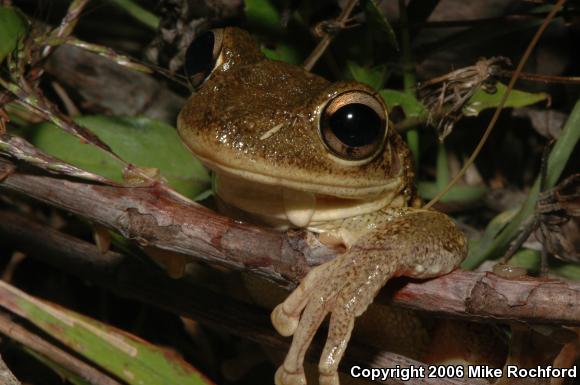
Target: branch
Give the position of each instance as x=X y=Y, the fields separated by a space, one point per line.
x=129 y=277
x=150 y=218
x=480 y=295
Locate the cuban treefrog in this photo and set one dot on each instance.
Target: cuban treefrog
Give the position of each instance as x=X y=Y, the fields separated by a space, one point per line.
x=291 y=149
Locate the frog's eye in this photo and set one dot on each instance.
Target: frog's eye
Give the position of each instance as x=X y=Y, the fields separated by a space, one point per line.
x=353 y=125
x=202 y=56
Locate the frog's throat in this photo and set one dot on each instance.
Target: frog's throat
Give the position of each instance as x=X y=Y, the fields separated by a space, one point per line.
x=280 y=206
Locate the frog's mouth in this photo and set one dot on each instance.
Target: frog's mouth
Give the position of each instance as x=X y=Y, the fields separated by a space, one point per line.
x=291 y=181
x=282 y=206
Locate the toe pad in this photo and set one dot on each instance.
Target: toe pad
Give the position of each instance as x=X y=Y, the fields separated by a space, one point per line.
x=285 y=324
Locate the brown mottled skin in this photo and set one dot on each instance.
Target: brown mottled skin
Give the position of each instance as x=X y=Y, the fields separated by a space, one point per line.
x=255 y=123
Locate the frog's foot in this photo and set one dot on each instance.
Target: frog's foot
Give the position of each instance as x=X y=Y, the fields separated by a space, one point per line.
x=284 y=322
x=335 y=288
x=283 y=377
x=286 y=316
x=421 y=244
x=292 y=372
x=329 y=379
x=339 y=331
x=359 y=287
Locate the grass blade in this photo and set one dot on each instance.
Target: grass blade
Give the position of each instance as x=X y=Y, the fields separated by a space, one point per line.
x=492 y=246
x=131 y=359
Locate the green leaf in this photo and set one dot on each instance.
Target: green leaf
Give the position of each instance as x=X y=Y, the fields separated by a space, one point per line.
x=262 y=13
x=374 y=77
x=13 y=27
x=412 y=138
x=567 y=270
x=283 y=52
x=494 y=244
x=141 y=141
x=410 y=105
x=481 y=100
x=457 y=194
x=494 y=227
x=378 y=22
x=443 y=176
x=526 y=258
x=131 y=359
x=138 y=12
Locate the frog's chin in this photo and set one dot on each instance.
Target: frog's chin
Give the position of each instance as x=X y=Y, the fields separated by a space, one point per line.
x=282 y=207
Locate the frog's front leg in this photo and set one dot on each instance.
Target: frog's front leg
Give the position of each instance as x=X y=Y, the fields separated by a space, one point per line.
x=416 y=243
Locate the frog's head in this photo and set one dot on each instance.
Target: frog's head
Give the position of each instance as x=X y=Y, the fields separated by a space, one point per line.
x=289 y=133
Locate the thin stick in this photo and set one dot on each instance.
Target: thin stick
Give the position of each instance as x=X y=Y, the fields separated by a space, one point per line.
x=533 y=225
x=524 y=235
x=495 y=117
x=542 y=78
x=327 y=39
x=68 y=23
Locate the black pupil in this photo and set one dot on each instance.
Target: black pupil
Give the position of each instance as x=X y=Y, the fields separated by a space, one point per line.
x=199 y=55
x=356 y=125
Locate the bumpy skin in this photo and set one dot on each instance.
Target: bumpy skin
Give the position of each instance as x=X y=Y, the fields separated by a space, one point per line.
x=406 y=242
x=255 y=123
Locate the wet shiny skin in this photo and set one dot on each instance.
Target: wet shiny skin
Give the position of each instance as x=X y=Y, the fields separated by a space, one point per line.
x=255 y=123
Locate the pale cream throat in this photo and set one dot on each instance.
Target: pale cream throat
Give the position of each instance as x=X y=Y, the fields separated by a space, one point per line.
x=299 y=208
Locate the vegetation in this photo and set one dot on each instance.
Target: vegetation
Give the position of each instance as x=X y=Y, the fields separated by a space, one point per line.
x=89 y=93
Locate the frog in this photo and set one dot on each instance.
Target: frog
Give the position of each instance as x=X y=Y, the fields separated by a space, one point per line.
x=290 y=149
